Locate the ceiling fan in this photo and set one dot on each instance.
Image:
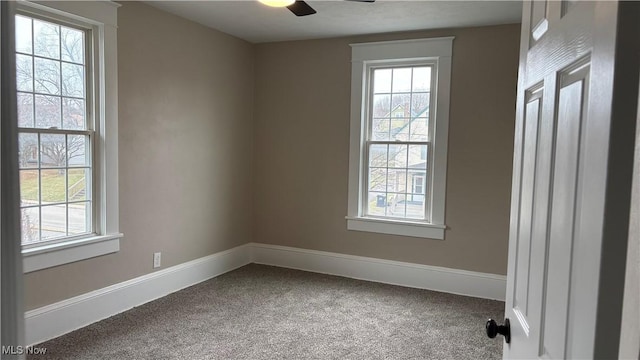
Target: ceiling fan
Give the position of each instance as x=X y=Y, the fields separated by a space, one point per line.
x=298 y=7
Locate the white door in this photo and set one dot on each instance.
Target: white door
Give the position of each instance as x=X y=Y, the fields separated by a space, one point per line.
x=573 y=158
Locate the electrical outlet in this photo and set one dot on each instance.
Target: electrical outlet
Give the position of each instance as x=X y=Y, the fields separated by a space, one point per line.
x=157 y=260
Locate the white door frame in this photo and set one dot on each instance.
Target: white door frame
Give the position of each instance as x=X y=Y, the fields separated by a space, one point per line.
x=11 y=289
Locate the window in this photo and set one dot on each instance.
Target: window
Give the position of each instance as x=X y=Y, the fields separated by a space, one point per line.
x=55 y=131
x=398 y=133
x=66 y=119
x=399 y=129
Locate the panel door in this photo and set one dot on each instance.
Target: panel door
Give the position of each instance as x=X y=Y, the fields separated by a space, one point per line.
x=560 y=190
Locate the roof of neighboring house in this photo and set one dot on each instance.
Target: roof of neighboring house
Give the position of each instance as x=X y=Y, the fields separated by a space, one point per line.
x=396 y=131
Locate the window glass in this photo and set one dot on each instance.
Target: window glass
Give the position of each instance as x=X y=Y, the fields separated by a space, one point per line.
x=54 y=133
x=398 y=142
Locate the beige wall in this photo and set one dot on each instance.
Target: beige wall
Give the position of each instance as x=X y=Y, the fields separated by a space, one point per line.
x=185 y=117
x=301 y=150
x=205 y=165
x=630 y=328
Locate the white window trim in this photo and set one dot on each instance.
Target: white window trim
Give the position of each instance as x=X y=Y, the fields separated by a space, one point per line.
x=102 y=15
x=363 y=55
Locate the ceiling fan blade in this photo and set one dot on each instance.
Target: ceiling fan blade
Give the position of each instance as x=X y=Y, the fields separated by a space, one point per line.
x=301 y=8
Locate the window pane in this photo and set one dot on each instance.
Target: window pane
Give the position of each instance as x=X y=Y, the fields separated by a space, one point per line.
x=398 y=156
x=421 y=79
x=415 y=210
x=397 y=180
x=25 y=110
x=419 y=104
x=54 y=221
x=72 y=45
x=380 y=130
x=400 y=105
x=396 y=205
x=72 y=80
x=419 y=130
x=377 y=179
x=382 y=81
x=47 y=76
x=78 y=150
x=418 y=157
x=401 y=80
x=377 y=203
x=29 y=188
x=24 y=73
x=381 y=106
x=53 y=150
x=79 y=218
x=53 y=185
x=417 y=183
x=28 y=150
x=400 y=129
x=378 y=155
x=47 y=39
x=23 y=34
x=47 y=111
x=416 y=199
x=78 y=184
x=30 y=225
x=73 y=114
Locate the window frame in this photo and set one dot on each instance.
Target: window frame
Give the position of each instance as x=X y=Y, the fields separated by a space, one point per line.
x=365 y=57
x=368 y=140
x=101 y=18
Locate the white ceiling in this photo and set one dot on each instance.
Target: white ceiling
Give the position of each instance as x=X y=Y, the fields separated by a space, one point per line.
x=256 y=23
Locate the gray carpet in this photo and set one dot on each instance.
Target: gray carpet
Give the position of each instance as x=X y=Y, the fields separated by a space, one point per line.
x=264 y=312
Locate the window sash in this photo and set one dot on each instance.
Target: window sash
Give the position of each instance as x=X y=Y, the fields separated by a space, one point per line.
x=369 y=85
x=426 y=189
x=89 y=201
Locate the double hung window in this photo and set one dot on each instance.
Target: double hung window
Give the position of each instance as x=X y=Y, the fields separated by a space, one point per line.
x=398 y=135
x=66 y=91
x=399 y=129
x=55 y=130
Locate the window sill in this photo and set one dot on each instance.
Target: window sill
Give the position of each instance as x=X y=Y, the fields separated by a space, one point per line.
x=46 y=256
x=395 y=227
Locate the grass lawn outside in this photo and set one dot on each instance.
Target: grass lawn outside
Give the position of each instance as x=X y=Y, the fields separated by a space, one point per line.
x=54 y=186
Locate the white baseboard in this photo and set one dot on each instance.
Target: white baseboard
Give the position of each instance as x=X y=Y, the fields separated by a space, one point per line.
x=53 y=320
x=462 y=282
x=57 y=319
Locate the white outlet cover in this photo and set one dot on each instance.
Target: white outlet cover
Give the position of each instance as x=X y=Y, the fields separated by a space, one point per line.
x=157 y=260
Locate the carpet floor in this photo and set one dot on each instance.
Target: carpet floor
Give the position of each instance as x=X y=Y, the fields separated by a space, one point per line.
x=265 y=312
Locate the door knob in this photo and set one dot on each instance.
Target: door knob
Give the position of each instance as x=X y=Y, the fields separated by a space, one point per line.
x=494 y=329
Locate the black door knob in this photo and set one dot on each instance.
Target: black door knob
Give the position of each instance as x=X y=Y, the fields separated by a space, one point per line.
x=494 y=329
